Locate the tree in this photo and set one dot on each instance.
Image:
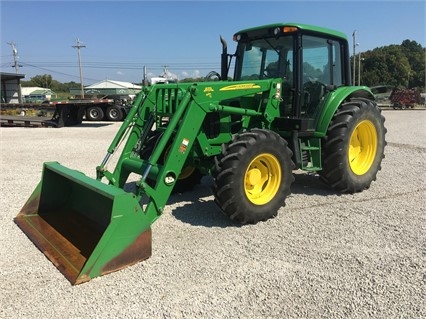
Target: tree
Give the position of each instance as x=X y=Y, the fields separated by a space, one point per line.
x=395 y=65
x=44 y=81
x=416 y=57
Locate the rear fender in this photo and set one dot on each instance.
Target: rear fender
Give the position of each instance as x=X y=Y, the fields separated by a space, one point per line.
x=334 y=100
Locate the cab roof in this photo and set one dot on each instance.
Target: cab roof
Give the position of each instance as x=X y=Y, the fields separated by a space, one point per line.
x=301 y=26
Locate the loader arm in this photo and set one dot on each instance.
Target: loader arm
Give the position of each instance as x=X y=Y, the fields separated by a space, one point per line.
x=90 y=227
x=185 y=107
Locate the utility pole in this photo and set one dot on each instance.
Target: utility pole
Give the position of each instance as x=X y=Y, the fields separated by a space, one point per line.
x=145 y=78
x=165 y=71
x=359 y=69
x=78 y=46
x=16 y=66
x=353 y=55
x=15 y=57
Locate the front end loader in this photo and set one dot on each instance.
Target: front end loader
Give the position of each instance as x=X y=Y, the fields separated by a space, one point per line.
x=285 y=108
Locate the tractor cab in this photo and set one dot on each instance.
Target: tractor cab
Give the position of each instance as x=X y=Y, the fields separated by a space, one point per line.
x=309 y=60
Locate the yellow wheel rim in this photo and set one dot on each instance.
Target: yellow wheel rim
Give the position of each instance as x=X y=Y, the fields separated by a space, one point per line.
x=186 y=170
x=262 y=179
x=362 y=147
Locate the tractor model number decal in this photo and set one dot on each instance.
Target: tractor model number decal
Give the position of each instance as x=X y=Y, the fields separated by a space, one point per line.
x=184 y=145
x=208 y=91
x=240 y=87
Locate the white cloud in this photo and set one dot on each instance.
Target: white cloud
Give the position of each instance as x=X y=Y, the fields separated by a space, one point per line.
x=194 y=74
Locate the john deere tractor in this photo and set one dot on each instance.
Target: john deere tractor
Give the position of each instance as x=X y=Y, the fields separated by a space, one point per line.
x=288 y=105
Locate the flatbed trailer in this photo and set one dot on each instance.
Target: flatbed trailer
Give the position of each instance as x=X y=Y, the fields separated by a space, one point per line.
x=39 y=115
x=98 y=109
x=26 y=121
x=63 y=113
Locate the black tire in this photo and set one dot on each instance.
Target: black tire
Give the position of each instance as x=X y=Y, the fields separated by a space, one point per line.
x=252 y=177
x=80 y=114
x=354 y=146
x=114 y=113
x=188 y=178
x=94 y=113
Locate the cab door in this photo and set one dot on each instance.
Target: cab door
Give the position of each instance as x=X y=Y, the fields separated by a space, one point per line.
x=321 y=70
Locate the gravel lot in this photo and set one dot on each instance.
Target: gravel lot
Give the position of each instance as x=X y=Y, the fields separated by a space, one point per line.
x=325 y=255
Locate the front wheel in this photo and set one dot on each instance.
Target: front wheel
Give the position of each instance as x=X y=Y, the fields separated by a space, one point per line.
x=252 y=177
x=354 y=146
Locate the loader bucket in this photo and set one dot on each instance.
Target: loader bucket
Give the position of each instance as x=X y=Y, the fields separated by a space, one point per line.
x=84 y=227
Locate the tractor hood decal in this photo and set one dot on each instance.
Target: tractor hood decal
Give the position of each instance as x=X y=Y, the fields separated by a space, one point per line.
x=244 y=86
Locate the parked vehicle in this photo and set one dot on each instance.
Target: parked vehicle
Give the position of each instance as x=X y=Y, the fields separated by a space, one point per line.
x=405 y=98
x=64 y=112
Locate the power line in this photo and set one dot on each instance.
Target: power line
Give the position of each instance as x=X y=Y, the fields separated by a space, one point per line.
x=57 y=72
x=124 y=65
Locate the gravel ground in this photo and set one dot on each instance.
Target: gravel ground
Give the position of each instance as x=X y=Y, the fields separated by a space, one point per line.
x=325 y=255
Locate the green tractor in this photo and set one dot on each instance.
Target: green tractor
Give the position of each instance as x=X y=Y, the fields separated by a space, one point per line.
x=289 y=105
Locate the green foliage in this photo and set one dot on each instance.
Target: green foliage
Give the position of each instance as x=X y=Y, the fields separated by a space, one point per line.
x=46 y=81
x=395 y=65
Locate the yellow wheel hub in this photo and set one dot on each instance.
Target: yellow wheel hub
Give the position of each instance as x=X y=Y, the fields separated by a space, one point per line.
x=262 y=179
x=362 y=147
x=186 y=170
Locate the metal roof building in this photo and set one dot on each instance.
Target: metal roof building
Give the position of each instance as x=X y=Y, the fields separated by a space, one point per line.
x=110 y=87
x=36 y=94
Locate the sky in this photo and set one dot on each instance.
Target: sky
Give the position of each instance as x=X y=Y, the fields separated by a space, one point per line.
x=121 y=37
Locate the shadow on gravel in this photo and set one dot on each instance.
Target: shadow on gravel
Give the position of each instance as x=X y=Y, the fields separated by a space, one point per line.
x=92 y=125
x=310 y=184
x=203 y=213
x=198 y=207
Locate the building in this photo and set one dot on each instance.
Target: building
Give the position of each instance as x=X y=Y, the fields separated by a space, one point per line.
x=11 y=87
x=36 y=94
x=109 y=88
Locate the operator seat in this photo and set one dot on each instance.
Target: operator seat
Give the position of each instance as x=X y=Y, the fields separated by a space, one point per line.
x=313 y=92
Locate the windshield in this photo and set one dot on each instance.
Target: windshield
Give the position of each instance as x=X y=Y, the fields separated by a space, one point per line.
x=265 y=58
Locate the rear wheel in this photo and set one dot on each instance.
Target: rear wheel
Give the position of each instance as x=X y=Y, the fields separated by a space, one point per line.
x=113 y=113
x=253 y=176
x=94 y=113
x=354 y=146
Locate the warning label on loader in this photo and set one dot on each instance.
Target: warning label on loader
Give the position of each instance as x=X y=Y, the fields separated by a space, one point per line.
x=184 y=145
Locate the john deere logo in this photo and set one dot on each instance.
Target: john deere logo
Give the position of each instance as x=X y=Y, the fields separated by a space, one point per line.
x=235 y=87
x=208 y=91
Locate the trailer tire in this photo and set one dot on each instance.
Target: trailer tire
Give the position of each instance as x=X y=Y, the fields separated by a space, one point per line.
x=114 y=113
x=353 y=146
x=253 y=175
x=94 y=113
